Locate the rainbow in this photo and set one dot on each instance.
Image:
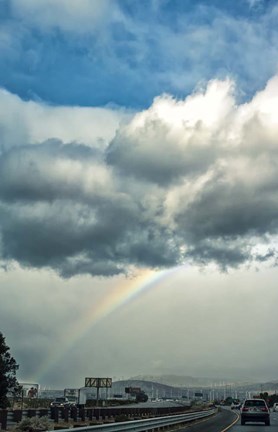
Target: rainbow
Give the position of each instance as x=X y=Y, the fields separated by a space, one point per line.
x=123 y=294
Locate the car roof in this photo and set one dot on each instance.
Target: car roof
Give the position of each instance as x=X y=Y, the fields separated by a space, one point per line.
x=254 y=399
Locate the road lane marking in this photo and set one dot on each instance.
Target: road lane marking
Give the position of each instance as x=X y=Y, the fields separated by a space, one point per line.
x=232 y=424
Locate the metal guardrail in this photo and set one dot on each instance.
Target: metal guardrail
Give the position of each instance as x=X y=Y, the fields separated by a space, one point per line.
x=146 y=424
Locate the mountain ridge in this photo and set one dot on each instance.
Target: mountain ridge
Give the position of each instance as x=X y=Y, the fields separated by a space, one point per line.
x=189 y=381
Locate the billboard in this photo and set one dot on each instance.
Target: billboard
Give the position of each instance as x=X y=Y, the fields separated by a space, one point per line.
x=29 y=390
x=98 y=382
x=133 y=390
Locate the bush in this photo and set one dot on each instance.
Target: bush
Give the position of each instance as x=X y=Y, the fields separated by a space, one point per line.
x=33 y=424
x=121 y=418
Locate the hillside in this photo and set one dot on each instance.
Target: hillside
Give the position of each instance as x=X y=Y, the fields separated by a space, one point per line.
x=185 y=381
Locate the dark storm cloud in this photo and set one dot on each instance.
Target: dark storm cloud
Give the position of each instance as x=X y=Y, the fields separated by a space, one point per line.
x=225 y=252
x=29 y=172
x=231 y=212
x=185 y=180
x=164 y=162
x=58 y=211
x=99 y=239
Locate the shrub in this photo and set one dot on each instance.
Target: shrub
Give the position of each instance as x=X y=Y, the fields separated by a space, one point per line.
x=121 y=418
x=33 y=424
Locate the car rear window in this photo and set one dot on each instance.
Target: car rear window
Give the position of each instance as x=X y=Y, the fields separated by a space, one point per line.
x=250 y=403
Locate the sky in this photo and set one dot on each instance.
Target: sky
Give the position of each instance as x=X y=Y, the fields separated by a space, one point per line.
x=138 y=188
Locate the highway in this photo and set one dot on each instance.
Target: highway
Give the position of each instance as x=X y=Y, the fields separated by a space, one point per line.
x=217 y=423
x=223 y=420
x=258 y=427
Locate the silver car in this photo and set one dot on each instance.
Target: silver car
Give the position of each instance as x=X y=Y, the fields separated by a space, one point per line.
x=255 y=410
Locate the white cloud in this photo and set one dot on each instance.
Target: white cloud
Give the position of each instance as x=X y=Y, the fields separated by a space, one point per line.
x=254 y=3
x=67 y=15
x=38 y=121
x=191 y=179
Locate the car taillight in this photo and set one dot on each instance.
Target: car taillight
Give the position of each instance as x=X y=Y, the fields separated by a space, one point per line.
x=244 y=409
x=264 y=409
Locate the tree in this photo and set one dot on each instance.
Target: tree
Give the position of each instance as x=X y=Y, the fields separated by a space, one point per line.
x=8 y=368
x=264 y=396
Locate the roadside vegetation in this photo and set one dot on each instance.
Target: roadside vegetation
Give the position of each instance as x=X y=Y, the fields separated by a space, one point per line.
x=8 y=368
x=34 y=424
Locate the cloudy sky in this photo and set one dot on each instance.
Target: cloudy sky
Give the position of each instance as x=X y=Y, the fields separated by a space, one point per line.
x=138 y=188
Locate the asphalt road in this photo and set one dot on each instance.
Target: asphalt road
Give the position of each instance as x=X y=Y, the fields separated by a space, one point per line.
x=223 y=420
x=217 y=423
x=258 y=427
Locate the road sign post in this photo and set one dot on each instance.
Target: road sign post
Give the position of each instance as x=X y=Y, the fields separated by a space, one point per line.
x=98 y=383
